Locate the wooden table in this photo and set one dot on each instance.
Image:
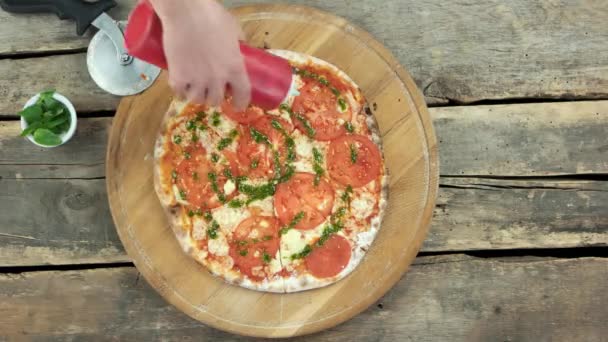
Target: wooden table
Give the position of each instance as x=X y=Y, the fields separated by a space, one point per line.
x=517 y=248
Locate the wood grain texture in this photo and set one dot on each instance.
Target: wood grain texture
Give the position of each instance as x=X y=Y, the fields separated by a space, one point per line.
x=540 y=139
x=67 y=74
x=455 y=298
x=410 y=154
x=73 y=225
x=523 y=140
x=45 y=33
x=56 y=222
x=486 y=214
x=463 y=51
x=82 y=157
x=472 y=214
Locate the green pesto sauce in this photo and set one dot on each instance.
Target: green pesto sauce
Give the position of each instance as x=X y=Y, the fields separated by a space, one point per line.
x=215 y=157
x=353 y=153
x=225 y=142
x=303 y=253
x=310 y=131
x=317 y=168
x=258 y=136
x=214 y=186
x=235 y=203
x=212 y=230
x=215 y=119
x=296 y=219
x=349 y=127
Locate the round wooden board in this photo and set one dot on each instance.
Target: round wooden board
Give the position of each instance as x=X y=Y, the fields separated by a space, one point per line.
x=411 y=156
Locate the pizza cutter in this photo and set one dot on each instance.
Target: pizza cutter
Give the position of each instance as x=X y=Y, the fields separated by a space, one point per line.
x=109 y=64
x=271 y=76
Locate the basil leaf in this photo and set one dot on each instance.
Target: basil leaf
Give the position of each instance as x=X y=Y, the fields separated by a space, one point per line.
x=46 y=94
x=64 y=127
x=31 y=114
x=51 y=114
x=44 y=136
x=57 y=121
x=47 y=100
x=31 y=128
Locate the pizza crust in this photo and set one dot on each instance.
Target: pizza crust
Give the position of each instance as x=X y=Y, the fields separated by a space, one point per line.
x=359 y=244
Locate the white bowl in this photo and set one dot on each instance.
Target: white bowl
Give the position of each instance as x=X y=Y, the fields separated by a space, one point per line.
x=65 y=136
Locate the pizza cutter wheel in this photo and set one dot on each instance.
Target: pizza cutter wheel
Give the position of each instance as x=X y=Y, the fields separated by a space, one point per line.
x=108 y=62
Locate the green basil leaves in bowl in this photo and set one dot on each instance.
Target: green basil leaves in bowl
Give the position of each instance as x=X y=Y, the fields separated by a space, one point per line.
x=48 y=119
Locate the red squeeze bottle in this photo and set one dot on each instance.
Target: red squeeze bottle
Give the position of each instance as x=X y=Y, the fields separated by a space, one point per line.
x=270 y=75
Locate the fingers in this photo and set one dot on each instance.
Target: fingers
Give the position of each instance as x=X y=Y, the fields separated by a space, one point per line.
x=180 y=86
x=198 y=94
x=215 y=92
x=241 y=90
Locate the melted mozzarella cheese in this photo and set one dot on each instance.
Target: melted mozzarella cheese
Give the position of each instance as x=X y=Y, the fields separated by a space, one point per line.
x=304 y=152
x=205 y=139
x=218 y=246
x=291 y=243
x=275 y=264
x=362 y=205
x=225 y=126
x=229 y=187
x=228 y=218
x=222 y=130
x=303 y=166
x=199 y=229
x=303 y=146
x=294 y=241
x=265 y=206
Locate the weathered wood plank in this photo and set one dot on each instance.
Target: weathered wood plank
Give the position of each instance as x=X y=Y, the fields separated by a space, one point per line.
x=35 y=33
x=523 y=139
x=445 y=298
x=472 y=213
x=463 y=50
x=68 y=221
x=56 y=222
x=501 y=140
x=477 y=214
x=68 y=74
x=82 y=157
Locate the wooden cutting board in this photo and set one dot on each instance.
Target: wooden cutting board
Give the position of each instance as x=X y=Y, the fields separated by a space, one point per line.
x=410 y=150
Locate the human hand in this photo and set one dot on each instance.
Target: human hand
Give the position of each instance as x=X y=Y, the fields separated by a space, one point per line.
x=201 y=42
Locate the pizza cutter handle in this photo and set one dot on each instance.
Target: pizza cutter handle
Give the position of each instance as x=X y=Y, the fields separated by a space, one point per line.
x=82 y=12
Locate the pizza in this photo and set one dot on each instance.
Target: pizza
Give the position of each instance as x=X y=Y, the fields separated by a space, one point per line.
x=283 y=200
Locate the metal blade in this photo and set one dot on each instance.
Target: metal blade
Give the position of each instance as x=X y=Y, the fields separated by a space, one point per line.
x=109 y=64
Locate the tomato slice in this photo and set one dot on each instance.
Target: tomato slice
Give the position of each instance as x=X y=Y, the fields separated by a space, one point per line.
x=299 y=194
x=330 y=259
x=257 y=159
x=249 y=115
x=193 y=179
x=319 y=106
x=252 y=240
x=353 y=160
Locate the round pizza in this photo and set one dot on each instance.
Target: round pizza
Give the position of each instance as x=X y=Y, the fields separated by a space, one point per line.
x=282 y=200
